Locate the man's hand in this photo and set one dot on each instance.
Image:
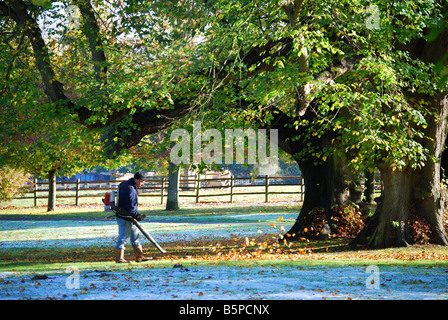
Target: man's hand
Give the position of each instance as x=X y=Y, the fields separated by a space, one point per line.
x=140 y=217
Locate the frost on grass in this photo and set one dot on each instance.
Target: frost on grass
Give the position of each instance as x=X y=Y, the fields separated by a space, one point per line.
x=231 y=282
x=220 y=241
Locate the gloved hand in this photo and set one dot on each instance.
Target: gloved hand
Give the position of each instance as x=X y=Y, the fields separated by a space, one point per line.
x=140 y=217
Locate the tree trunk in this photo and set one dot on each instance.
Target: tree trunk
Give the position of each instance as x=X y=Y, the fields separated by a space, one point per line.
x=405 y=192
x=411 y=190
x=392 y=228
x=172 y=202
x=327 y=184
x=51 y=190
x=427 y=191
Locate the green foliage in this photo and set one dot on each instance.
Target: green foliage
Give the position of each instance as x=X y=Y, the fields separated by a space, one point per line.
x=234 y=63
x=367 y=110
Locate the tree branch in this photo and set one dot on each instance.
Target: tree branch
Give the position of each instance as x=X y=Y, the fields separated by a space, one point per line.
x=292 y=10
x=17 y=11
x=323 y=79
x=92 y=31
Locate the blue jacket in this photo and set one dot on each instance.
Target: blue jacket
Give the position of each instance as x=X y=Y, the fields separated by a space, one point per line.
x=128 y=197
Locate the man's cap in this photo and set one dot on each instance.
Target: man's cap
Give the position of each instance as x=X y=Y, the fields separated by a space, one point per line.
x=139 y=176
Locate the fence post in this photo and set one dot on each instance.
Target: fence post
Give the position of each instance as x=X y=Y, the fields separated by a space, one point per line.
x=301 y=188
x=231 y=189
x=198 y=186
x=77 y=192
x=266 y=189
x=35 y=192
x=162 y=190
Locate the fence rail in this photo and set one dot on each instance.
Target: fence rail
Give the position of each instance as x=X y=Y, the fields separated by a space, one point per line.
x=191 y=187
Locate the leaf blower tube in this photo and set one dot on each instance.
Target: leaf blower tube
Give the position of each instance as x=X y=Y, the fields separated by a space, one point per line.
x=119 y=212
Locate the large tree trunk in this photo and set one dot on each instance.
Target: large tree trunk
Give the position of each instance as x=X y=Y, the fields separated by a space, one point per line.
x=327 y=184
x=427 y=191
x=411 y=191
x=405 y=192
x=51 y=190
x=392 y=229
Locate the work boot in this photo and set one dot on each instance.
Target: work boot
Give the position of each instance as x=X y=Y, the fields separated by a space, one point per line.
x=138 y=254
x=119 y=256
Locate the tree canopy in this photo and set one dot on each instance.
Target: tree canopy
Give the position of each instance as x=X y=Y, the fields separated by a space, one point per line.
x=135 y=66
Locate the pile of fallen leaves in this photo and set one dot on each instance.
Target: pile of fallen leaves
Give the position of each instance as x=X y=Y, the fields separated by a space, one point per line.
x=345 y=221
x=420 y=230
x=348 y=220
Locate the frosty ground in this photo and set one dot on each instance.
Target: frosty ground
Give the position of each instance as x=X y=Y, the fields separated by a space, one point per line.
x=230 y=282
x=266 y=276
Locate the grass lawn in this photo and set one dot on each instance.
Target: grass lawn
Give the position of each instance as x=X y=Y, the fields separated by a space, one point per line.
x=214 y=251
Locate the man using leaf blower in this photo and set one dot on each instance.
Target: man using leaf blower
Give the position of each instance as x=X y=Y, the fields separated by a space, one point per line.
x=128 y=206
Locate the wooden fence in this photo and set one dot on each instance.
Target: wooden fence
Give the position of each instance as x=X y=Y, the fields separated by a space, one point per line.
x=192 y=187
